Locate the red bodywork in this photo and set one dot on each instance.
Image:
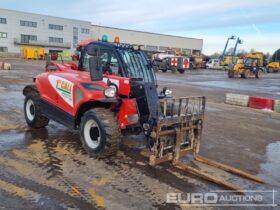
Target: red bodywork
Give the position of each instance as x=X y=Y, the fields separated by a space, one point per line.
x=60 y=89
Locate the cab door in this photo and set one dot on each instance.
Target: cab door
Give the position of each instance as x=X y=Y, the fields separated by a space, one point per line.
x=109 y=61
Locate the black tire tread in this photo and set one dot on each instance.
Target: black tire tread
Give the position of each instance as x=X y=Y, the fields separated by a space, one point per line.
x=230 y=74
x=40 y=120
x=181 y=71
x=112 y=130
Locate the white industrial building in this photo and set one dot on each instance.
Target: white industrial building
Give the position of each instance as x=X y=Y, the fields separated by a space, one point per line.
x=19 y=29
x=152 y=41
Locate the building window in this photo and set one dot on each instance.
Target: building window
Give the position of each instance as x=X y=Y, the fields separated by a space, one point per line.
x=196 y=52
x=163 y=48
x=28 y=23
x=151 y=48
x=187 y=51
x=3 y=35
x=75 y=37
x=85 y=30
x=56 y=39
x=26 y=38
x=3 y=49
x=55 y=27
x=3 y=20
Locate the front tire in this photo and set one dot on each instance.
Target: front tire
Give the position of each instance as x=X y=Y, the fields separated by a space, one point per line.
x=100 y=133
x=259 y=74
x=33 y=116
x=246 y=74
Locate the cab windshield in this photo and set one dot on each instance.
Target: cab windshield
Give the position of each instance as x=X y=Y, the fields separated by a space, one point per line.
x=251 y=62
x=137 y=65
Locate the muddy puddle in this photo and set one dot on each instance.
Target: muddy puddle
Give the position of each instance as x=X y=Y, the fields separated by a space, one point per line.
x=11 y=77
x=270 y=170
x=14 y=139
x=238 y=85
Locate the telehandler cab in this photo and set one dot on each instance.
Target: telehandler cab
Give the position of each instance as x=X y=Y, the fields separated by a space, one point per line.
x=113 y=91
x=252 y=66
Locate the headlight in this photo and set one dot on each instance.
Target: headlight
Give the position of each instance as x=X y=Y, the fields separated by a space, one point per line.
x=168 y=92
x=110 y=92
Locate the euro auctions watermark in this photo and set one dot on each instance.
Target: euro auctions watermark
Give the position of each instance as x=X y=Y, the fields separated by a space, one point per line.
x=224 y=198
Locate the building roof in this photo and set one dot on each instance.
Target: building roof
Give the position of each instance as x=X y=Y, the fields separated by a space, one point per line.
x=138 y=31
x=16 y=11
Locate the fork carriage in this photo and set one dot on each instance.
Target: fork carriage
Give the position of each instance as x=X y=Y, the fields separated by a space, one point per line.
x=178 y=133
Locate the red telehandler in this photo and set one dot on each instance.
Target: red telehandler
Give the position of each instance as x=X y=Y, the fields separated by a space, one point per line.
x=113 y=91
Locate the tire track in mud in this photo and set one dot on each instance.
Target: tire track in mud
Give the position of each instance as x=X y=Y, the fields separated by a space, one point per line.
x=113 y=164
x=10 y=202
x=137 y=186
x=50 y=193
x=52 y=165
x=122 y=167
x=18 y=191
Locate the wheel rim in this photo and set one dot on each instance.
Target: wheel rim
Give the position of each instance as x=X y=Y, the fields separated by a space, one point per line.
x=30 y=110
x=260 y=74
x=247 y=74
x=92 y=134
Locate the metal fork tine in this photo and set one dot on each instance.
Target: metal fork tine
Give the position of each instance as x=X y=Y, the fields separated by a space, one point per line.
x=180 y=107
x=164 y=108
x=172 y=107
x=187 y=107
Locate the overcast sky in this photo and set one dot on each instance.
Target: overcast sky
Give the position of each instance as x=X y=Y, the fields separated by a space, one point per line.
x=257 y=22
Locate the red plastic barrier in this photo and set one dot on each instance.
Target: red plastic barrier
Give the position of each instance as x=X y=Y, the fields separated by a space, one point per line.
x=257 y=102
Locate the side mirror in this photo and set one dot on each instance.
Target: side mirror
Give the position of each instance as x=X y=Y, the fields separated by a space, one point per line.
x=96 y=73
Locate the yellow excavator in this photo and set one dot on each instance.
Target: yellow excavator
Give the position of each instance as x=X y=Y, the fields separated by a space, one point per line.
x=251 y=66
x=274 y=64
x=273 y=67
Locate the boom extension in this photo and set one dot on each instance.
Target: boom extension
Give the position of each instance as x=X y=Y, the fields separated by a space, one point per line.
x=183 y=118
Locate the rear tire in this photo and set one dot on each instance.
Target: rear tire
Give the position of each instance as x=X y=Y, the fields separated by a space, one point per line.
x=181 y=71
x=270 y=70
x=33 y=116
x=191 y=66
x=230 y=74
x=100 y=133
x=164 y=70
